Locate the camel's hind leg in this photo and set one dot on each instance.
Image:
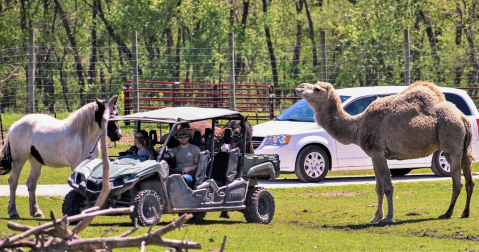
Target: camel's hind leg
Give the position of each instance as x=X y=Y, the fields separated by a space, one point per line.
x=383 y=187
x=17 y=166
x=456 y=182
x=466 y=164
x=32 y=180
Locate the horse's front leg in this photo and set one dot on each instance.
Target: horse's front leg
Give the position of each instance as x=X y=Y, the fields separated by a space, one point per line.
x=383 y=187
x=13 y=183
x=32 y=180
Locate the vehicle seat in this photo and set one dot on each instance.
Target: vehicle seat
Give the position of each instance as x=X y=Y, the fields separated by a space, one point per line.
x=154 y=141
x=207 y=138
x=196 y=140
x=225 y=165
x=202 y=167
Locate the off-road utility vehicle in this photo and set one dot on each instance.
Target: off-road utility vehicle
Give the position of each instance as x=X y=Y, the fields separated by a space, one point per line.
x=224 y=181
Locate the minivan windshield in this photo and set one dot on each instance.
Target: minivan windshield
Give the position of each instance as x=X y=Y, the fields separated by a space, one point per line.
x=301 y=112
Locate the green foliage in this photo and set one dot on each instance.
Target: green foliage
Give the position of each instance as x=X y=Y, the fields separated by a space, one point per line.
x=187 y=41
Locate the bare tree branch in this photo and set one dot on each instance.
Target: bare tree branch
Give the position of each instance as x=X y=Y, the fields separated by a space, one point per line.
x=11 y=76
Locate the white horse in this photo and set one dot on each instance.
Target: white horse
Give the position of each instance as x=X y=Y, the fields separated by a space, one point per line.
x=44 y=140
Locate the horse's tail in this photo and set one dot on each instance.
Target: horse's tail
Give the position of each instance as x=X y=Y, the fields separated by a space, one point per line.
x=468 y=138
x=5 y=159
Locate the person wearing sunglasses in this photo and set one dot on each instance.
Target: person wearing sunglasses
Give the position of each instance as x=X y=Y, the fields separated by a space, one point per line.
x=185 y=155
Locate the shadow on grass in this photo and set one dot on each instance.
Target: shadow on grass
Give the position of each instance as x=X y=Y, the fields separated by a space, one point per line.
x=369 y=225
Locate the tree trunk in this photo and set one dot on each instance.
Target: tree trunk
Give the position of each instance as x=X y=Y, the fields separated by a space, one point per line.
x=297 y=48
x=63 y=80
x=433 y=43
x=94 y=48
x=311 y=33
x=271 y=52
x=123 y=48
x=459 y=71
x=71 y=38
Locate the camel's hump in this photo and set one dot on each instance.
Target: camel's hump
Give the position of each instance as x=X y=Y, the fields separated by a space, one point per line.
x=422 y=96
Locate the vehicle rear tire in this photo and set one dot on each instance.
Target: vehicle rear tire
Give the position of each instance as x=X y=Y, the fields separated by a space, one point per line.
x=73 y=204
x=259 y=206
x=440 y=166
x=144 y=202
x=312 y=164
x=399 y=172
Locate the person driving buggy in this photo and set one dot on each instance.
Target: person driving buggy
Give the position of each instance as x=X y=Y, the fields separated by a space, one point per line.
x=185 y=155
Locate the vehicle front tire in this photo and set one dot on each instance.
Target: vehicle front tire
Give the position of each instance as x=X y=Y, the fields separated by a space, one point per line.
x=259 y=206
x=73 y=204
x=144 y=202
x=312 y=164
x=440 y=166
x=399 y=172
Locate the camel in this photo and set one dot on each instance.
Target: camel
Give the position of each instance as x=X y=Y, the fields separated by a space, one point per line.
x=412 y=124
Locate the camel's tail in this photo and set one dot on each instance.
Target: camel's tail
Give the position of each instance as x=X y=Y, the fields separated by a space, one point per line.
x=468 y=138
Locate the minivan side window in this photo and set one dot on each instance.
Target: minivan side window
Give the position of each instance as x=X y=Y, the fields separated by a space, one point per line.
x=460 y=103
x=359 y=105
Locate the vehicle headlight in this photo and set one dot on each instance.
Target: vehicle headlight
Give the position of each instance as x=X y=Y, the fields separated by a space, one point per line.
x=277 y=140
x=125 y=178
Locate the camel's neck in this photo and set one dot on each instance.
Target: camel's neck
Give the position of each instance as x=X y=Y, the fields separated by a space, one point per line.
x=339 y=124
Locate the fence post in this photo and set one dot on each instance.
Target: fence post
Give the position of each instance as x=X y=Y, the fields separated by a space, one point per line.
x=231 y=68
x=31 y=72
x=407 y=59
x=134 y=65
x=324 y=69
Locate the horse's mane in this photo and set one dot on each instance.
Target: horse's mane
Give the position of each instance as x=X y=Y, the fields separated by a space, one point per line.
x=82 y=121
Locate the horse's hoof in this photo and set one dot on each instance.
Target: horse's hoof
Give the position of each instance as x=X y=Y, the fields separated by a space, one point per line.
x=15 y=216
x=445 y=216
x=464 y=215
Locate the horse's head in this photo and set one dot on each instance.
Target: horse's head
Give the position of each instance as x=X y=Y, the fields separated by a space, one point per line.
x=113 y=129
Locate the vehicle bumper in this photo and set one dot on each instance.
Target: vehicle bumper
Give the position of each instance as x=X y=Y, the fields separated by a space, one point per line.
x=287 y=156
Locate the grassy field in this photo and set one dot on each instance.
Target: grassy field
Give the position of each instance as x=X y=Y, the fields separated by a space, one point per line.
x=328 y=218
x=315 y=219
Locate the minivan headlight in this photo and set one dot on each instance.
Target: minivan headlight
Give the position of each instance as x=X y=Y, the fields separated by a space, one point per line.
x=277 y=140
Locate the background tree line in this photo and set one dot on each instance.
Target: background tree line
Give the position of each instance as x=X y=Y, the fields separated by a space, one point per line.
x=83 y=47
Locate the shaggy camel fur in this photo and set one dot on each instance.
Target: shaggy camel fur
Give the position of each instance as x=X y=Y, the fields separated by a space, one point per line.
x=408 y=125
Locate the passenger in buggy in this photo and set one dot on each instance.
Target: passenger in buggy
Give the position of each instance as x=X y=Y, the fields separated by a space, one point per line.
x=142 y=146
x=185 y=155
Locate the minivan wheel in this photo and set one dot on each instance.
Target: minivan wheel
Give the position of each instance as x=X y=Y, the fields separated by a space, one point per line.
x=440 y=166
x=312 y=164
x=144 y=202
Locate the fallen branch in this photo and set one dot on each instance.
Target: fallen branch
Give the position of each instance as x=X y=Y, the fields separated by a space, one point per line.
x=53 y=239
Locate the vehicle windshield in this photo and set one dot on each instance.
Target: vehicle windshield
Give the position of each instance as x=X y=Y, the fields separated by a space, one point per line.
x=301 y=112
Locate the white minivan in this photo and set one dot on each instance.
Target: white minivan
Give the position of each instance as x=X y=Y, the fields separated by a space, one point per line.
x=310 y=152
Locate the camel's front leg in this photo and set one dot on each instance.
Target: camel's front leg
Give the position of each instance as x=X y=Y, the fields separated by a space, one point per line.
x=456 y=186
x=380 y=194
x=35 y=172
x=383 y=187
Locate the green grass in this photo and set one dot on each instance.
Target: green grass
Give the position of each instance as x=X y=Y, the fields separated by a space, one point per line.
x=315 y=219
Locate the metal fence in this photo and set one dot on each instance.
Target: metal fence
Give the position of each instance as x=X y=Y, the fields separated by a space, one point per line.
x=56 y=79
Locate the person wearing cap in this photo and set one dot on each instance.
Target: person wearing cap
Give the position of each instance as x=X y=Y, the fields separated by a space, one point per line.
x=186 y=156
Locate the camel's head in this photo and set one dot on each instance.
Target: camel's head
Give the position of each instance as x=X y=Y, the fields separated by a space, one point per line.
x=314 y=93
